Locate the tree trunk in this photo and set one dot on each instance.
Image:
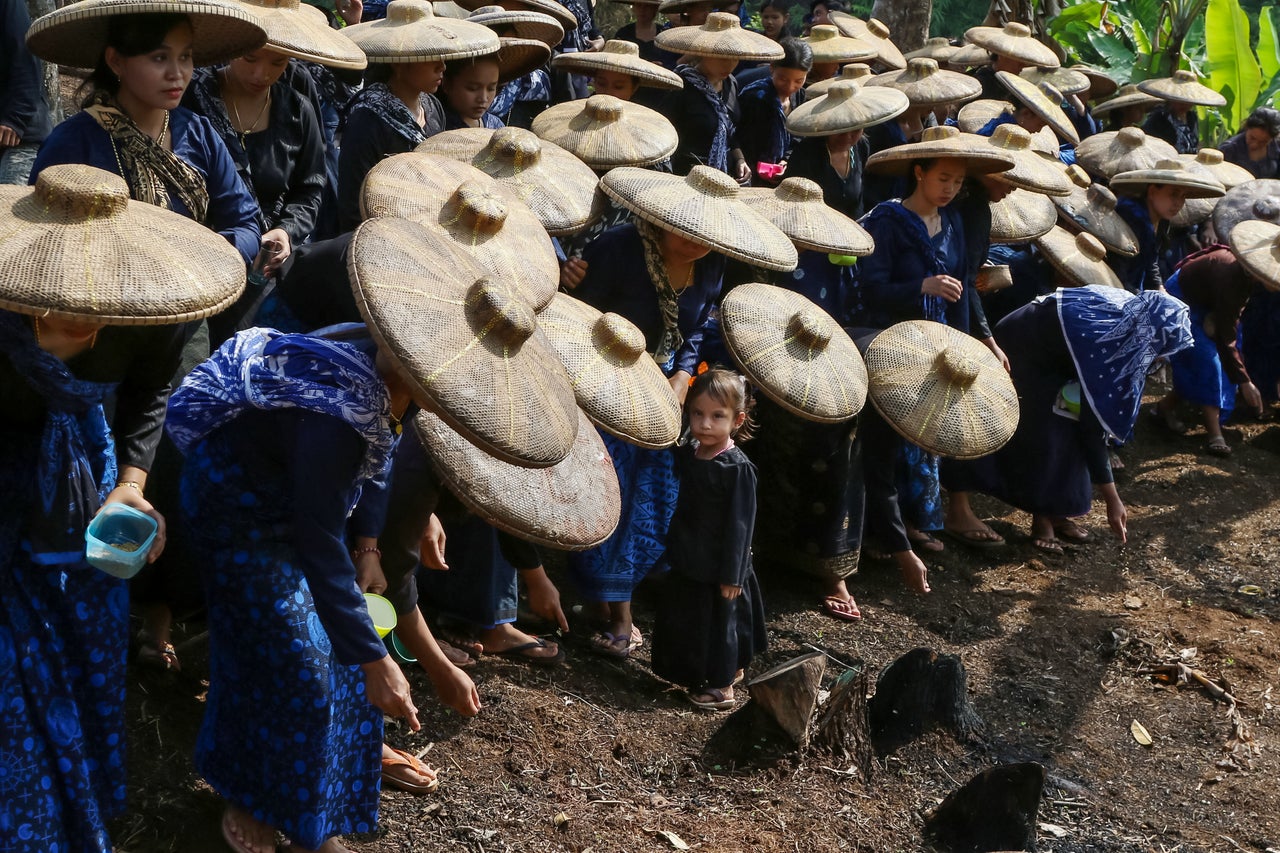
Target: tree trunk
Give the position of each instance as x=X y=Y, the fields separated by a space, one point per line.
x=908 y=22
x=788 y=693
x=995 y=810
x=52 y=85
x=842 y=729
x=920 y=691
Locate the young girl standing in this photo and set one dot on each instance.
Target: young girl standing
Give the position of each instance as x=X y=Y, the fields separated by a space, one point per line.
x=711 y=622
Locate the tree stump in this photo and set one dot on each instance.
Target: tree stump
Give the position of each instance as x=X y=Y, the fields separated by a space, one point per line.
x=842 y=729
x=788 y=693
x=995 y=810
x=918 y=692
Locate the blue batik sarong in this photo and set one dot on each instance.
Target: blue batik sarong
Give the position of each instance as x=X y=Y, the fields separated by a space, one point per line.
x=1198 y=375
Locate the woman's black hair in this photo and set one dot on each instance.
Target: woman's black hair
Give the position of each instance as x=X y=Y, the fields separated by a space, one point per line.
x=129 y=35
x=1263 y=118
x=830 y=5
x=795 y=54
x=784 y=7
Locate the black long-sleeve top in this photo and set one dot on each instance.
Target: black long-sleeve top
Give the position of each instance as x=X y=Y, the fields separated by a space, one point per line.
x=695 y=121
x=22 y=104
x=714 y=521
x=810 y=159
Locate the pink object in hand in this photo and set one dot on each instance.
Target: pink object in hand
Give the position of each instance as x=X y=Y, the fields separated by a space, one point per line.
x=770 y=170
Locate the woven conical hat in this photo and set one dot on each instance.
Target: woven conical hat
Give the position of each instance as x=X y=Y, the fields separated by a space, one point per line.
x=302 y=31
x=937 y=142
x=704 y=207
x=76 y=247
x=925 y=85
x=1045 y=143
x=1080 y=258
x=795 y=352
x=1171 y=172
x=1208 y=161
x=1101 y=84
x=605 y=132
x=486 y=220
x=976 y=115
x=720 y=36
x=796 y=207
x=1043 y=100
x=1068 y=81
x=76 y=34
x=1106 y=154
x=1092 y=207
x=873 y=32
x=856 y=71
x=518 y=57
x=1182 y=88
x=522 y=24
x=1030 y=171
x=1258 y=199
x=1257 y=244
x=558 y=187
x=969 y=56
x=846 y=106
x=941 y=389
x=413 y=32
x=547 y=7
x=938 y=49
x=1021 y=216
x=616 y=382
x=620 y=57
x=545 y=506
x=1015 y=41
x=829 y=46
x=468 y=345
x=1129 y=96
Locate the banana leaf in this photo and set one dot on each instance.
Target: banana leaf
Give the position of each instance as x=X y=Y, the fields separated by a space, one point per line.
x=1268 y=44
x=1233 y=70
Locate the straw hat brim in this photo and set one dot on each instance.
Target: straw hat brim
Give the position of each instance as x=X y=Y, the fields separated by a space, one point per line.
x=1104 y=155
x=1021 y=216
x=467 y=345
x=617 y=383
x=1036 y=101
x=518 y=57
x=537 y=26
x=1254 y=243
x=941 y=87
x=815 y=90
x=135 y=265
x=1068 y=81
x=1108 y=226
x=840 y=50
x=547 y=7
x=976 y=115
x=1168 y=89
x=1193 y=185
x=1194 y=211
x=938 y=414
x=1033 y=172
x=981 y=158
x=734 y=43
x=795 y=352
x=723 y=224
x=1059 y=247
x=939 y=53
x=558 y=187
x=812 y=225
x=1228 y=174
x=645 y=73
x=827 y=116
x=1024 y=49
x=76 y=35
x=887 y=53
x=433 y=39
x=1100 y=85
x=1122 y=102
x=969 y=56
x=423 y=187
x=1257 y=199
x=304 y=33
x=637 y=136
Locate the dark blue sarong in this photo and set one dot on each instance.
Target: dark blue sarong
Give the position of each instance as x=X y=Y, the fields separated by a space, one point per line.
x=1198 y=376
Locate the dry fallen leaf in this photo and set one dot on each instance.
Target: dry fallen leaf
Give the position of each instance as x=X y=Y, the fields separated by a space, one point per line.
x=1054 y=830
x=561 y=820
x=671 y=838
x=1140 y=733
x=1132 y=602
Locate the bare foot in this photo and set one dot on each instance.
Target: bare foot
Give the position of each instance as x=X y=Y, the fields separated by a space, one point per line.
x=246 y=834
x=914 y=572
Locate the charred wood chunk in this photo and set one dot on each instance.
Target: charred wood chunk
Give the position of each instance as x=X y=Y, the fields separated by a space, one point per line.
x=917 y=693
x=995 y=810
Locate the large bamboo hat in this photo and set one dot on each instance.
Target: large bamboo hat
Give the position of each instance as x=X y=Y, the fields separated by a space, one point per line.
x=76 y=247
x=413 y=32
x=1258 y=199
x=76 y=35
x=517 y=57
x=1030 y=170
x=720 y=36
x=605 y=132
x=559 y=11
x=522 y=24
x=705 y=207
x=1129 y=96
x=468 y=345
x=829 y=46
x=1080 y=258
x=1182 y=88
x=302 y=31
x=617 y=383
x=558 y=187
x=1068 y=81
x=795 y=352
x=1043 y=100
x=857 y=71
x=969 y=56
x=1021 y=216
x=1015 y=41
x=458 y=201
x=941 y=389
x=925 y=85
x=546 y=506
x=1101 y=84
x=1171 y=172
x=1108 y=154
x=1208 y=161
x=976 y=115
x=980 y=156
x=620 y=57
x=796 y=207
x=939 y=49
x=1091 y=207
x=1257 y=245
x=846 y=106
x=873 y=32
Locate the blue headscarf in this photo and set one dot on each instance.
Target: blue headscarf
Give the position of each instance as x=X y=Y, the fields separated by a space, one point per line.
x=1114 y=337
x=329 y=371
x=76 y=463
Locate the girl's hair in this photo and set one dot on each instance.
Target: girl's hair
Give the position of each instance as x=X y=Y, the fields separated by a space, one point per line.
x=130 y=35
x=831 y=6
x=1263 y=118
x=783 y=8
x=795 y=54
x=730 y=390
x=454 y=66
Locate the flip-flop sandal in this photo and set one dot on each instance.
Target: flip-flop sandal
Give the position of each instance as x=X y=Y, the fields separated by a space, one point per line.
x=161 y=657
x=718 y=701
x=611 y=645
x=1071 y=531
x=521 y=653
x=405 y=759
x=459 y=657
x=1218 y=448
x=973 y=538
x=838 y=608
x=229 y=835
x=927 y=544
x=1049 y=546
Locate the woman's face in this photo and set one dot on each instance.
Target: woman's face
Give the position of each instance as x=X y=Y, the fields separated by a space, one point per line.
x=644 y=13
x=996 y=188
x=772 y=21
x=820 y=15
x=1029 y=121
x=1257 y=139
x=788 y=81
x=256 y=72
x=155 y=80
x=72 y=331
x=621 y=86
x=716 y=67
x=677 y=249
x=941 y=182
x=470 y=91
x=1165 y=201
x=420 y=76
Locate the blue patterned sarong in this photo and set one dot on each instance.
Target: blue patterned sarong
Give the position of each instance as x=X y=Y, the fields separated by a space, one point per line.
x=1198 y=376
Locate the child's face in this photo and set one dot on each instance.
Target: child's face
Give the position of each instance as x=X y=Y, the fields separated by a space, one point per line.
x=788 y=81
x=472 y=89
x=771 y=21
x=712 y=422
x=621 y=86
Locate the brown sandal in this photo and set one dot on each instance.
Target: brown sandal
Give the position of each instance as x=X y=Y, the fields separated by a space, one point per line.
x=159 y=656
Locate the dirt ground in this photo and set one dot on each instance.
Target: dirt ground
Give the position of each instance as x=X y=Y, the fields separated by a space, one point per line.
x=601 y=756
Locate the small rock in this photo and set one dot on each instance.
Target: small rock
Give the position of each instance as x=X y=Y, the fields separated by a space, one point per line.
x=1053 y=829
x=1132 y=602
x=561 y=820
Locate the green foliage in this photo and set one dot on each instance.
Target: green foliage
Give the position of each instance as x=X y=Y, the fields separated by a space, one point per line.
x=1268 y=45
x=1232 y=68
x=952 y=17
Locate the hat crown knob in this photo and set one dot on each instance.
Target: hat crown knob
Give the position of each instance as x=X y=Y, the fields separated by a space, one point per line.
x=1017 y=30
x=855 y=71
x=1266 y=209
x=604 y=108
x=1131 y=137
x=1090 y=246
x=877 y=28
x=615 y=335
x=1012 y=137
x=718 y=22
x=1078 y=176
x=939 y=133
x=921 y=67
x=1209 y=157
x=799 y=191
x=1168 y=164
x=842 y=91
x=938 y=41
x=501 y=311
x=408 y=11
x=1182 y=75
x=806 y=326
x=480 y=209
x=957 y=368
x=81 y=196
x=823 y=32
x=517 y=146
x=620 y=47
x=1101 y=198
x=712 y=182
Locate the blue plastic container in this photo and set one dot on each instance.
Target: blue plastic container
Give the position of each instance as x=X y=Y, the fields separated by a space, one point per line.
x=118 y=540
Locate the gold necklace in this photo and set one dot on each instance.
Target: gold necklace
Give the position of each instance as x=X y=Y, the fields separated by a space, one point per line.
x=93 y=341
x=245 y=131
x=164 y=129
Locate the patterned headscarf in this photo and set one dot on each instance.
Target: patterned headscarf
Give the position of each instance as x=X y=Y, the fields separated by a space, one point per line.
x=718 y=158
x=668 y=299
